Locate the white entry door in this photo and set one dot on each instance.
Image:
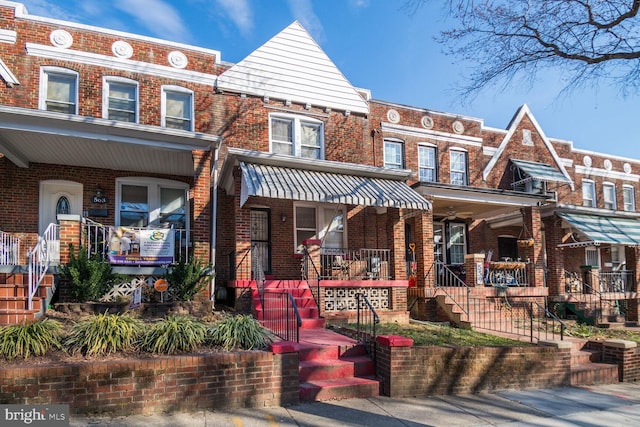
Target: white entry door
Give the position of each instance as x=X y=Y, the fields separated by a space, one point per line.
x=58 y=197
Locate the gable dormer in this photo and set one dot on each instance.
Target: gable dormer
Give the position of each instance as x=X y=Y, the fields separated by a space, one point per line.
x=525 y=160
x=292 y=67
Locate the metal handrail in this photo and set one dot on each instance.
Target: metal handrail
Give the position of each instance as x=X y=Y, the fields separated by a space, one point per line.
x=280 y=314
x=458 y=283
x=366 y=324
x=9 y=249
x=587 y=289
x=306 y=260
x=39 y=260
x=548 y=314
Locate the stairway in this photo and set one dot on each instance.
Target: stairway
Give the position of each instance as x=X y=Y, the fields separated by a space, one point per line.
x=587 y=367
x=14 y=298
x=302 y=295
x=335 y=371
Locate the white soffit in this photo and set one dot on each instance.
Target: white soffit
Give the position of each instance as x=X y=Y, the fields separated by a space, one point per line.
x=291 y=66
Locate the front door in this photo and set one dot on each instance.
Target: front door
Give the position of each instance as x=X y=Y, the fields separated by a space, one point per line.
x=58 y=197
x=261 y=237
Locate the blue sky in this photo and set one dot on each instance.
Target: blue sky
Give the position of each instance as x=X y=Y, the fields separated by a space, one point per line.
x=377 y=45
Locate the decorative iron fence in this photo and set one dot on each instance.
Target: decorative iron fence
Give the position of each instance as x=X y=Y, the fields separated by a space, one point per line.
x=355 y=264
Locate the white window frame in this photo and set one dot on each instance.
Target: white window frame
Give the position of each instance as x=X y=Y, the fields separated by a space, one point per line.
x=153 y=194
x=586 y=201
x=44 y=83
x=296 y=143
x=388 y=163
x=320 y=227
x=592 y=253
x=434 y=169
x=463 y=244
x=465 y=172
x=182 y=91
x=629 y=198
x=106 y=82
x=609 y=195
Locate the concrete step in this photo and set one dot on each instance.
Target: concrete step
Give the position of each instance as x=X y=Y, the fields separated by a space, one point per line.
x=593 y=374
x=313 y=323
x=343 y=388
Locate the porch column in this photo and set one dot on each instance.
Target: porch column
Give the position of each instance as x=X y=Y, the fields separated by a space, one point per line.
x=531 y=219
x=555 y=255
x=200 y=193
x=474 y=266
x=243 y=236
x=424 y=247
x=395 y=227
x=632 y=257
x=70 y=234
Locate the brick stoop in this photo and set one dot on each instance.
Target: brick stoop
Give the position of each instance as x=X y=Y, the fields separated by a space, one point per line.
x=329 y=372
x=587 y=367
x=14 y=298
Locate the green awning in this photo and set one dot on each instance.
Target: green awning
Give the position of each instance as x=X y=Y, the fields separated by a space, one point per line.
x=540 y=171
x=603 y=229
x=314 y=186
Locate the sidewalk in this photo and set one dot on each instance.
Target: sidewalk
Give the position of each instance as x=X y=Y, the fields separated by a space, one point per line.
x=608 y=405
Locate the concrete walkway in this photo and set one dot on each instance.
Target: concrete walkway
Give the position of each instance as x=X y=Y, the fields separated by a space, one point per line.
x=607 y=405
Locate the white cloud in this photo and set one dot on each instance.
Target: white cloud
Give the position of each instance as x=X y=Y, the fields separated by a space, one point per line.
x=239 y=12
x=302 y=10
x=45 y=8
x=359 y=3
x=156 y=16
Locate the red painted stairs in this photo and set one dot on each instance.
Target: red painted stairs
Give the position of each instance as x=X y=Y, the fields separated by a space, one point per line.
x=14 y=298
x=302 y=296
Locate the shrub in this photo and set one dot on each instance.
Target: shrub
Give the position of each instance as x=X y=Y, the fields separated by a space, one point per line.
x=104 y=334
x=242 y=331
x=90 y=277
x=30 y=338
x=174 y=334
x=187 y=279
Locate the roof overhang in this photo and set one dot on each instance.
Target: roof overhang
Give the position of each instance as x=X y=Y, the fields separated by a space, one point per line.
x=293 y=178
x=476 y=203
x=594 y=230
x=539 y=171
x=36 y=136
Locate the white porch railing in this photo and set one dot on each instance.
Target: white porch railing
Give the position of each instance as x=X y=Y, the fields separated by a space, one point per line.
x=355 y=264
x=40 y=258
x=9 y=249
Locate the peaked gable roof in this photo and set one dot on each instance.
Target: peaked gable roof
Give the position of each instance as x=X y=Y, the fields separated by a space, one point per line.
x=524 y=110
x=291 y=66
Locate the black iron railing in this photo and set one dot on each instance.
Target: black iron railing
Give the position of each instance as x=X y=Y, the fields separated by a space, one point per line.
x=366 y=324
x=280 y=314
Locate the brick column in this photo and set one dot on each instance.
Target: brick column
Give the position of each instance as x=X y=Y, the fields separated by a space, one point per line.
x=625 y=355
x=531 y=220
x=200 y=193
x=632 y=257
x=555 y=255
x=474 y=265
x=424 y=245
x=70 y=234
x=243 y=236
x=395 y=230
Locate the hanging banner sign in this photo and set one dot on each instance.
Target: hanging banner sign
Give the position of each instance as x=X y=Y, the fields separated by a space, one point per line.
x=128 y=246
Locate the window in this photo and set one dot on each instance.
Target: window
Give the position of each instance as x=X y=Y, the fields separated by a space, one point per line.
x=458 y=167
x=393 y=154
x=457 y=244
x=296 y=136
x=609 y=195
x=588 y=193
x=617 y=257
x=151 y=203
x=177 y=108
x=629 y=198
x=59 y=90
x=427 y=163
x=592 y=256
x=120 y=100
x=325 y=222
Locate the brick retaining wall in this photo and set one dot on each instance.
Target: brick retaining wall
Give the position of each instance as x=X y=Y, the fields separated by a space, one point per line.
x=422 y=371
x=155 y=385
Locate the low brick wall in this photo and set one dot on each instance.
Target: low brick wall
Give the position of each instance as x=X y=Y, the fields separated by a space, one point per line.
x=155 y=385
x=422 y=371
x=626 y=354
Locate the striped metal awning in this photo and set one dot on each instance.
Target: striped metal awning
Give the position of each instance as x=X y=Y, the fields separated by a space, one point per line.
x=602 y=229
x=540 y=171
x=314 y=186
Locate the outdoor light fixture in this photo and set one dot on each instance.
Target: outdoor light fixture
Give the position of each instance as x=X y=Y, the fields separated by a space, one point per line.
x=283 y=217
